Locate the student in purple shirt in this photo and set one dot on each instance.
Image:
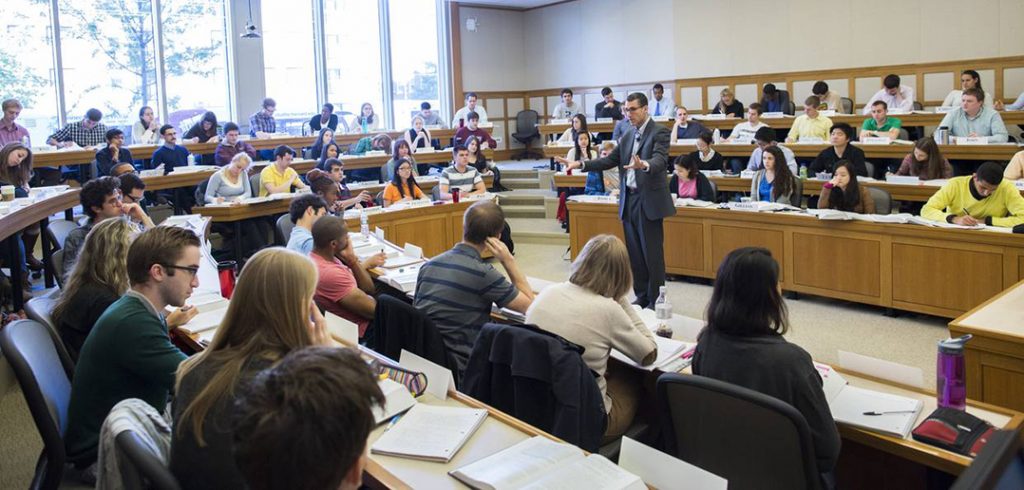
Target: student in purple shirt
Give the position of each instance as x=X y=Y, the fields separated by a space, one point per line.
x=10 y=131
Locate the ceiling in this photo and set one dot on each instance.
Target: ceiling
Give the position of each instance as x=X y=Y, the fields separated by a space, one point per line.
x=512 y=4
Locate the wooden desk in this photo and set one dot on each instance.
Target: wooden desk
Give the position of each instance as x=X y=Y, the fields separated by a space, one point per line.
x=995 y=356
x=887 y=265
x=13 y=222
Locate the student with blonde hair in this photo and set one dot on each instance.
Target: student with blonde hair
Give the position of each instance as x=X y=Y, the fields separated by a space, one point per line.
x=591 y=310
x=271 y=314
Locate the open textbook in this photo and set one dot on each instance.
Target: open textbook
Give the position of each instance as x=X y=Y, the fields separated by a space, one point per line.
x=540 y=463
x=852 y=406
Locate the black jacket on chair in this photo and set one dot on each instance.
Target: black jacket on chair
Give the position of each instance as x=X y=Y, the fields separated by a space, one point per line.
x=539 y=378
x=400 y=325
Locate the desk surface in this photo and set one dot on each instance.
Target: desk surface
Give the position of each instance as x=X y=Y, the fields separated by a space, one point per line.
x=24 y=216
x=1001 y=316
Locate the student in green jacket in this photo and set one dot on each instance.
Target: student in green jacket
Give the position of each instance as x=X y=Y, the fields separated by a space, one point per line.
x=982 y=198
x=128 y=353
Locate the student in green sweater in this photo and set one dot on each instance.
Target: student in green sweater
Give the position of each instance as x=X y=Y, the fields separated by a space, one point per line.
x=982 y=198
x=128 y=353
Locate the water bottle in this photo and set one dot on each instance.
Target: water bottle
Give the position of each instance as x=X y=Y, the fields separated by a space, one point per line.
x=951 y=373
x=226 y=274
x=455 y=195
x=803 y=172
x=364 y=224
x=942 y=135
x=191 y=159
x=24 y=140
x=662 y=308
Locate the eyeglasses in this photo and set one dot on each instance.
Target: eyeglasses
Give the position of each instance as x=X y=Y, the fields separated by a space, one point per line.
x=192 y=270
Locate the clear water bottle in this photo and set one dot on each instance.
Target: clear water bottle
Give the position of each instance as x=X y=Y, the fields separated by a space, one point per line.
x=191 y=159
x=662 y=308
x=364 y=224
x=803 y=172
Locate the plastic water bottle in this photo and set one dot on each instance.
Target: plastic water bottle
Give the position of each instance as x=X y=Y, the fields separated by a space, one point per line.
x=951 y=373
x=364 y=224
x=803 y=172
x=191 y=159
x=662 y=308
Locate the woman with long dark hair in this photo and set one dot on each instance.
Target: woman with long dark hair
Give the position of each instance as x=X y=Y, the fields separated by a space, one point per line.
x=926 y=161
x=403 y=186
x=775 y=182
x=323 y=138
x=844 y=193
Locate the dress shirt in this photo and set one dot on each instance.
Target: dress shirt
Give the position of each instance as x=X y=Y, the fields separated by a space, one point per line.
x=903 y=100
x=13 y=133
x=986 y=123
x=664 y=107
x=82 y=136
x=262 y=121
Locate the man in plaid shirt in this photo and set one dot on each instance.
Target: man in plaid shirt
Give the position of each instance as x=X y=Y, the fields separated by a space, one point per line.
x=87 y=133
x=263 y=121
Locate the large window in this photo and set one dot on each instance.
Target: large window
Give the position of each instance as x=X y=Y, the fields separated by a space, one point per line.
x=26 y=65
x=288 y=61
x=108 y=58
x=195 y=60
x=414 y=72
x=352 y=42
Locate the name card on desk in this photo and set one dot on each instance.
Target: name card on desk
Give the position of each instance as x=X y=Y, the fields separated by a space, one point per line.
x=687 y=142
x=485 y=125
x=971 y=140
x=413 y=251
x=340 y=328
x=603 y=119
x=773 y=115
x=439 y=379
x=876 y=140
x=887 y=370
x=425 y=149
x=810 y=140
x=903 y=179
x=897 y=111
x=943 y=110
x=375 y=153
x=660 y=118
x=710 y=116
x=559 y=121
x=828 y=113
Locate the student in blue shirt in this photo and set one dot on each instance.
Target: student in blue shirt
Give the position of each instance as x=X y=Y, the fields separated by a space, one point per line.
x=774 y=182
x=170 y=154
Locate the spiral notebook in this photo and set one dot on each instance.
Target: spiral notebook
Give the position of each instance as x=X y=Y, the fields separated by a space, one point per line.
x=430 y=432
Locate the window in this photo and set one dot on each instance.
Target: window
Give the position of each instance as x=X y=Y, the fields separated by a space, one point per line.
x=288 y=61
x=352 y=32
x=26 y=65
x=414 y=60
x=195 y=60
x=108 y=59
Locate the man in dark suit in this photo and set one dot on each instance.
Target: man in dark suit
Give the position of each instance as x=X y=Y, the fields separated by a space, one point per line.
x=644 y=200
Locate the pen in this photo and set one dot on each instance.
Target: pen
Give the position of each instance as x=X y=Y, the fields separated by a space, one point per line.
x=394 y=420
x=890 y=411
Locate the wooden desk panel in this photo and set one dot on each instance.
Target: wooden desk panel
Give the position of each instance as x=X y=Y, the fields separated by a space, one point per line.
x=944 y=279
x=684 y=246
x=830 y=262
x=725 y=238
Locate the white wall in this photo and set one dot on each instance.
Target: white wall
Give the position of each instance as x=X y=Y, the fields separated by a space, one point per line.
x=493 y=57
x=595 y=42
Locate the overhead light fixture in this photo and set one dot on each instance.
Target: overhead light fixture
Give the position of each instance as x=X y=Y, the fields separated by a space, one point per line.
x=250 y=28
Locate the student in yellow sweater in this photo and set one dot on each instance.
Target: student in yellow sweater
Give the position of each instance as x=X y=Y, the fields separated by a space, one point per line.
x=980 y=198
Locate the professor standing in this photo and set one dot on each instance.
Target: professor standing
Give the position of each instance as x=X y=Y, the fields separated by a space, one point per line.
x=644 y=199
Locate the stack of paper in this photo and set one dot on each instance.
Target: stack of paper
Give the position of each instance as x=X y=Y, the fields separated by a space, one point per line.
x=430 y=432
x=695 y=203
x=539 y=462
x=668 y=352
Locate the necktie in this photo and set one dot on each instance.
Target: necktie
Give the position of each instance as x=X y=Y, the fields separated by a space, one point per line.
x=631 y=174
x=657 y=108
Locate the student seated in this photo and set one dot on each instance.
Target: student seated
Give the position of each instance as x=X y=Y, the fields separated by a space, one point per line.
x=746 y=131
x=279 y=176
x=460 y=175
x=774 y=100
x=170 y=154
x=315 y=406
x=775 y=182
x=592 y=310
x=16 y=171
x=457 y=288
x=982 y=198
x=810 y=124
x=128 y=353
x=402 y=187
x=366 y=121
x=114 y=154
x=567 y=108
x=262 y=123
x=611 y=176
x=461 y=116
x=608 y=107
x=830 y=100
x=880 y=124
x=271 y=314
x=579 y=123
x=400 y=151
x=1015 y=169
x=707 y=158
x=472 y=129
x=100 y=199
x=304 y=211
x=896 y=96
x=583 y=151
x=344 y=287
x=477 y=159
x=926 y=161
x=144 y=131
x=743 y=344
x=1017 y=105
x=326 y=119
x=621 y=127
x=418 y=136
x=336 y=171
x=840 y=136
x=329 y=151
x=133 y=190
x=968 y=79
x=231 y=184
x=728 y=104
x=688 y=183
x=661 y=104
x=323 y=186
x=765 y=138
x=204 y=131
x=974 y=119
x=231 y=146
x=430 y=118
x=684 y=128
x=844 y=193
x=380 y=142
x=324 y=138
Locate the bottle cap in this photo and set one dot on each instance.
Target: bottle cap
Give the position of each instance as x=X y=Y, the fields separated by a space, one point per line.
x=954 y=346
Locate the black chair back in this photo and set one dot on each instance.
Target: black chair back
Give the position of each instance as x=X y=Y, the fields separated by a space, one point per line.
x=139 y=467
x=45 y=378
x=283 y=229
x=526 y=125
x=749 y=438
x=399 y=325
x=200 y=194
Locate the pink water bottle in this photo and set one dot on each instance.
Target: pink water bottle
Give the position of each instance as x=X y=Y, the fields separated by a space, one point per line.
x=951 y=373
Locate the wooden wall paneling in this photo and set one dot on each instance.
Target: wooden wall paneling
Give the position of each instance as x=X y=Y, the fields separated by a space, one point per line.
x=1001 y=379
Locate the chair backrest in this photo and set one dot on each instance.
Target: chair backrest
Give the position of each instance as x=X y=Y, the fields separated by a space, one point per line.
x=882 y=198
x=917 y=106
x=400 y=325
x=871 y=168
x=714 y=190
x=45 y=379
x=904 y=134
x=57 y=264
x=200 y=194
x=254 y=183
x=379 y=198
x=798 y=193
x=846 y=105
x=790 y=108
x=435 y=193
x=139 y=467
x=714 y=425
x=283 y=229
x=526 y=121
x=58 y=231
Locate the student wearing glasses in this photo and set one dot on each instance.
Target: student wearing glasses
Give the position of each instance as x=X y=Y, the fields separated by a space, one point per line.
x=402 y=186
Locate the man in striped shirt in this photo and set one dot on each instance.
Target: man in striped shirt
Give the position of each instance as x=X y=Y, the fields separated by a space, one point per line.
x=456 y=289
x=460 y=175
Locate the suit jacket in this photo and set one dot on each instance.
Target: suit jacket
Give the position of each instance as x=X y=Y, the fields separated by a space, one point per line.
x=332 y=122
x=652 y=185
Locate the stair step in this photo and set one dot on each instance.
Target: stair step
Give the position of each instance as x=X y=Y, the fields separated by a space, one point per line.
x=518 y=174
x=520 y=183
x=514 y=211
x=516 y=199
x=540 y=231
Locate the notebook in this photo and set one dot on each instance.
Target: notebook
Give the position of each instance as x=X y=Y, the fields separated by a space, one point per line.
x=540 y=463
x=430 y=433
x=849 y=404
x=668 y=351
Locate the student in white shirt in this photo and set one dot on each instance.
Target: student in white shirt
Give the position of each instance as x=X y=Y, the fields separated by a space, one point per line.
x=579 y=123
x=830 y=101
x=145 y=130
x=661 y=104
x=744 y=132
x=968 y=79
x=462 y=116
x=567 y=108
x=899 y=98
x=366 y=122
